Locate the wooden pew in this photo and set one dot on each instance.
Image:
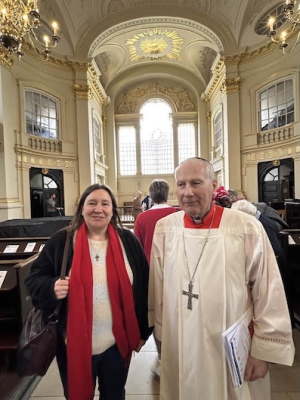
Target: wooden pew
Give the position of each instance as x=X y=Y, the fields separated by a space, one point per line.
x=14 y=307
x=290 y=240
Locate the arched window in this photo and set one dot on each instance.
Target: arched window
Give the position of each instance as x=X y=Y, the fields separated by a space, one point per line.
x=218 y=129
x=152 y=144
x=41 y=114
x=272 y=175
x=276 y=105
x=156 y=138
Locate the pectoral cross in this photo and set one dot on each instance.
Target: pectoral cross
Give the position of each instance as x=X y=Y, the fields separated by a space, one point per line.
x=97 y=257
x=190 y=295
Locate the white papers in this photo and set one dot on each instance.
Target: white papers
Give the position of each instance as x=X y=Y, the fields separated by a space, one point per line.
x=291 y=240
x=11 y=248
x=2 y=277
x=237 y=342
x=29 y=247
x=41 y=247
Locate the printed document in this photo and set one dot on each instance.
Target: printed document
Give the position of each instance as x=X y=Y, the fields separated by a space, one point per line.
x=237 y=342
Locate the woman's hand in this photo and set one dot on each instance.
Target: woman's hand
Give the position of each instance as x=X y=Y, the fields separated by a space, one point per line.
x=61 y=288
x=140 y=345
x=255 y=369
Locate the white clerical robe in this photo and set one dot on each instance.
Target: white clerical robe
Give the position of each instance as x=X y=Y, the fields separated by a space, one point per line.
x=237 y=269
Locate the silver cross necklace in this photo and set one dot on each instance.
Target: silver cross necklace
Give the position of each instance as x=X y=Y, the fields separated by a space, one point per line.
x=189 y=292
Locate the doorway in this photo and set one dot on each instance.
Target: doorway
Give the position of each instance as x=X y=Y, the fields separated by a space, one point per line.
x=276 y=180
x=44 y=182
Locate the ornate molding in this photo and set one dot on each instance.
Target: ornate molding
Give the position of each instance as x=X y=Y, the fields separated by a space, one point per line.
x=97 y=88
x=132 y=98
x=215 y=81
x=83 y=92
x=159 y=21
x=253 y=55
x=231 y=85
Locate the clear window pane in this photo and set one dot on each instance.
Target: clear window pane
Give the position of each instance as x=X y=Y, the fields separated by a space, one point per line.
x=280 y=101
x=127 y=150
x=186 y=141
x=42 y=118
x=156 y=137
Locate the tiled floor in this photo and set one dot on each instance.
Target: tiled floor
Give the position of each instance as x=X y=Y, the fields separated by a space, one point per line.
x=141 y=384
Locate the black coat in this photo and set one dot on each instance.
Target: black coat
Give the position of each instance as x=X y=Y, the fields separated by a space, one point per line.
x=46 y=270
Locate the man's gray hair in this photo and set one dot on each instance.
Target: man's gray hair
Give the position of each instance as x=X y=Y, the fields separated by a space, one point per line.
x=209 y=168
x=245 y=206
x=159 y=191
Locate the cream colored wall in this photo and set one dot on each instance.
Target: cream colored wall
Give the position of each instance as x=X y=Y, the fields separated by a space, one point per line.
x=254 y=75
x=14 y=188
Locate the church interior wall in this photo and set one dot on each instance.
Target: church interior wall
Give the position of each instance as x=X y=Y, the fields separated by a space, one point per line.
x=255 y=75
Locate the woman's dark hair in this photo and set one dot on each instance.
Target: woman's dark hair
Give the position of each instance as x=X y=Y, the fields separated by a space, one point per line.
x=78 y=218
x=159 y=191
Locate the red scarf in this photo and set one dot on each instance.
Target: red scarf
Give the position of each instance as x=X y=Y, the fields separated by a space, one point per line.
x=80 y=312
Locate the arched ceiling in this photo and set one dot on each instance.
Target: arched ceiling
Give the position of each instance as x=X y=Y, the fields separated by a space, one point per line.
x=188 y=34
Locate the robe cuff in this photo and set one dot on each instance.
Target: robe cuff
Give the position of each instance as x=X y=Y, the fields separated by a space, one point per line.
x=273 y=350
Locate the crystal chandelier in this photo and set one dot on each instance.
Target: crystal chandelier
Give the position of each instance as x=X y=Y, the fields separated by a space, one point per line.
x=291 y=13
x=18 y=22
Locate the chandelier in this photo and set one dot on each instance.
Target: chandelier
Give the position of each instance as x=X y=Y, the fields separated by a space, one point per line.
x=291 y=12
x=18 y=22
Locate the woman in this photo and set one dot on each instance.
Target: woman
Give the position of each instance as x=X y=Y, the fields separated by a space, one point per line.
x=107 y=289
x=137 y=205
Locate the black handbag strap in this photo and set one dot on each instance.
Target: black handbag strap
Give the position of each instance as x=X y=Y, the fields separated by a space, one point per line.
x=53 y=317
x=65 y=256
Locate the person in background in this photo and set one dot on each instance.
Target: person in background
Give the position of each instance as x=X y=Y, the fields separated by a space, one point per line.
x=222 y=198
x=137 y=205
x=103 y=317
x=233 y=195
x=51 y=205
x=208 y=266
x=144 y=228
x=267 y=223
x=147 y=203
x=273 y=235
x=272 y=214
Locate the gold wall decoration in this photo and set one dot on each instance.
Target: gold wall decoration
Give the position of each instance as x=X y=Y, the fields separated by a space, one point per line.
x=83 y=92
x=155 y=44
x=45 y=171
x=276 y=163
x=231 y=85
x=132 y=98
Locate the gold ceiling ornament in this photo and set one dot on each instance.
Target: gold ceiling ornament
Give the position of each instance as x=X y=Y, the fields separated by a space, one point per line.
x=18 y=22
x=155 y=44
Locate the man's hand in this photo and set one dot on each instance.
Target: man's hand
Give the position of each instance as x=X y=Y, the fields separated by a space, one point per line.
x=255 y=369
x=61 y=288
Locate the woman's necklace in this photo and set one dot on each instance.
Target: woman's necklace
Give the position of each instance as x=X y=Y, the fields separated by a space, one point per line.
x=95 y=250
x=190 y=293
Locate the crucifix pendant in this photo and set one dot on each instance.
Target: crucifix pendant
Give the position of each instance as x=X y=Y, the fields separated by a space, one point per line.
x=97 y=257
x=190 y=295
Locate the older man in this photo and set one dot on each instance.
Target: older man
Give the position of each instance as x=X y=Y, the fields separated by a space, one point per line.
x=208 y=266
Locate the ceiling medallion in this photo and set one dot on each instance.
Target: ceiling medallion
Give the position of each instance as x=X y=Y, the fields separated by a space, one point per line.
x=155 y=44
